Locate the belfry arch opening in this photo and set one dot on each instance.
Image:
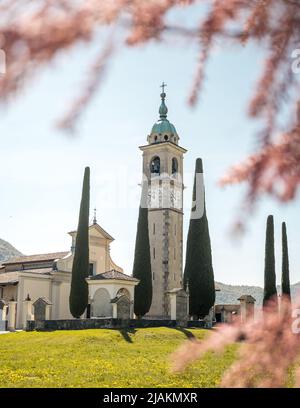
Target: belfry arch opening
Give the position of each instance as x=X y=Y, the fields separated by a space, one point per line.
x=155 y=165
x=174 y=165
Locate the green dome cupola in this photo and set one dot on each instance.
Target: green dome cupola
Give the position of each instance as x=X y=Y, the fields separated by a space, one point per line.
x=163 y=130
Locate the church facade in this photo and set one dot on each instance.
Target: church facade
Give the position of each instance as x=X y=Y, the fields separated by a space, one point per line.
x=163 y=172
x=48 y=276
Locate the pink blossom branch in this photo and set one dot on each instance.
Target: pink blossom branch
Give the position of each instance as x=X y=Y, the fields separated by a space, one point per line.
x=32 y=34
x=269 y=347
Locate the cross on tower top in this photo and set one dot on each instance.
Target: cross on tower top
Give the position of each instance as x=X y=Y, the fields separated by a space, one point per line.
x=163 y=87
x=163 y=110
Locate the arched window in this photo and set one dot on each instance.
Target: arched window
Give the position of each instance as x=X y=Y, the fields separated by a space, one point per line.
x=123 y=292
x=166 y=137
x=155 y=165
x=155 y=138
x=101 y=306
x=174 y=165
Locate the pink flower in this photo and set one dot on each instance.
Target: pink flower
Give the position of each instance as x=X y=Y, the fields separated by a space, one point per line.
x=269 y=346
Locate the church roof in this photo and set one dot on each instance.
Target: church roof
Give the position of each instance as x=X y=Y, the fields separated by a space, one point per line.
x=40 y=271
x=99 y=228
x=9 y=278
x=13 y=276
x=227 y=308
x=163 y=126
x=36 y=258
x=43 y=299
x=113 y=274
x=247 y=298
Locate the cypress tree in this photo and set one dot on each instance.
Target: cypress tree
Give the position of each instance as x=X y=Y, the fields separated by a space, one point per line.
x=78 y=300
x=285 y=276
x=198 y=272
x=270 y=291
x=142 y=260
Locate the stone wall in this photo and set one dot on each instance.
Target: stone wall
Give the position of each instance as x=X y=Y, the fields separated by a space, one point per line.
x=81 y=324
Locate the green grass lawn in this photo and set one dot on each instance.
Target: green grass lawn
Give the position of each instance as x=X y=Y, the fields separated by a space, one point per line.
x=104 y=358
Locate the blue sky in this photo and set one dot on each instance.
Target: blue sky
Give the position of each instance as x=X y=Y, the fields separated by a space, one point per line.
x=42 y=168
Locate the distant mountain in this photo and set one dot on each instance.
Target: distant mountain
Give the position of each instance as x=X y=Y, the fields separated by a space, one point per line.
x=7 y=251
x=230 y=293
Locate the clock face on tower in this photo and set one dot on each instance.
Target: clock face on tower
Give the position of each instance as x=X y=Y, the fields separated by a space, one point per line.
x=176 y=198
x=172 y=199
x=165 y=195
x=153 y=196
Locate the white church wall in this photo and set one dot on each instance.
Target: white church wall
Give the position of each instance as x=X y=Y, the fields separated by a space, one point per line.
x=95 y=285
x=64 y=293
x=102 y=292
x=65 y=264
x=55 y=299
x=10 y=292
x=98 y=256
x=99 y=248
x=112 y=286
x=36 y=286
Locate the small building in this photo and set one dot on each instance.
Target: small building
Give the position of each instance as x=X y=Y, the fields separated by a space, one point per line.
x=106 y=288
x=245 y=309
x=225 y=313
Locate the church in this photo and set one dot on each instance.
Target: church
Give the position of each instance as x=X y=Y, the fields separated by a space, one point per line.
x=48 y=276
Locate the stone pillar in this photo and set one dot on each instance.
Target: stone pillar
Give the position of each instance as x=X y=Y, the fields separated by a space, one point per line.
x=208 y=320
x=173 y=305
x=3 y=307
x=179 y=300
x=247 y=307
x=3 y=312
x=55 y=299
x=131 y=309
x=223 y=315
x=48 y=312
x=188 y=303
x=12 y=312
x=27 y=312
x=115 y=310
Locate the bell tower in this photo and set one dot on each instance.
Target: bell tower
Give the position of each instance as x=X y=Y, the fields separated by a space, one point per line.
x=163 y=170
